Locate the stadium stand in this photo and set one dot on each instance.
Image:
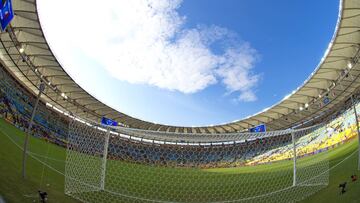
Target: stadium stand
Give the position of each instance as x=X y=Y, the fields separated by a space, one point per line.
x=16 y=105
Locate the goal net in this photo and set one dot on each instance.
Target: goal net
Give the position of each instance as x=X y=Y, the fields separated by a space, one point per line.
x=128 y=165
x=85 y=158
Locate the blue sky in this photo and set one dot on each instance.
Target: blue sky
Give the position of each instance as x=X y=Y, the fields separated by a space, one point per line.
x=189 y=62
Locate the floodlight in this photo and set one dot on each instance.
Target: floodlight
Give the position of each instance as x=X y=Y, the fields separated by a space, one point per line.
x=64 y=95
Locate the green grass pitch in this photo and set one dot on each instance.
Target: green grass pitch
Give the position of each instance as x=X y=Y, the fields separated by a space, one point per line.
x=193 y=185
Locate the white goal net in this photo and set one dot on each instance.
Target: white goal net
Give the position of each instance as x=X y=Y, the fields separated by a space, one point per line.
x=128 y=165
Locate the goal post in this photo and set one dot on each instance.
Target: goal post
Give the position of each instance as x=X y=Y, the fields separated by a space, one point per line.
x=294 y=157
x=86 y=158
x=107 y=164
x=311 y=161
x=104 y=159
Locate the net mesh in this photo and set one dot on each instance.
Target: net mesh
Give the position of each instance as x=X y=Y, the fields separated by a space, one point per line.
x=84 y=159
x=116 y=166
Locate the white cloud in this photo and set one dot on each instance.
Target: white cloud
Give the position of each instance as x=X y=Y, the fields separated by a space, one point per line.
x=247 y=96
x=235 y=68
x=146 y=42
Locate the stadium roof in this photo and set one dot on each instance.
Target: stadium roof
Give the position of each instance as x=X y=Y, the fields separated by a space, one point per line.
x=26 y=54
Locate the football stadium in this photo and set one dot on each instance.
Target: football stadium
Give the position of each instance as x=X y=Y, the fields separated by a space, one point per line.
x=60 y=143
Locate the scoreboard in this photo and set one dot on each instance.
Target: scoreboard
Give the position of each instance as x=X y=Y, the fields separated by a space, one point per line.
x=6 y=13
x=259 y=128
x=108 y=122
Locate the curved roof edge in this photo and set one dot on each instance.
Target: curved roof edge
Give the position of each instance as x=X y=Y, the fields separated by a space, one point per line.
x=26 y=53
